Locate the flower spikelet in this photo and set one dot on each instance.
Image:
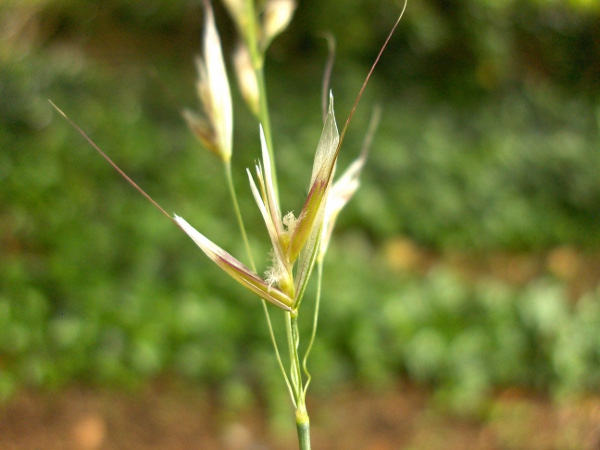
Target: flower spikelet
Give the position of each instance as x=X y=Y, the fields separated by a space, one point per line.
x=216 y=129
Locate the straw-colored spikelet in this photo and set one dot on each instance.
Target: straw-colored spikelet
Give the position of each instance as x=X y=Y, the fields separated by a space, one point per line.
x=215 y=129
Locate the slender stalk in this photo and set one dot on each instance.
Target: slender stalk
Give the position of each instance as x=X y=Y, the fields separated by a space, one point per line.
x=314 y=328
x=238 y=213
x=294 y=380
x=291 y=341
x=277 y=354
x=258 y=59
x=296 y=368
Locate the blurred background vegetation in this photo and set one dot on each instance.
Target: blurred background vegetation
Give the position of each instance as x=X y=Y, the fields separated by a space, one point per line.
x=467 y=261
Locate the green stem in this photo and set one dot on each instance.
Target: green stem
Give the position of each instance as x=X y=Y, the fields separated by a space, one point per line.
x=290 y=334
x=303 y=428
x=294 y=381
x=302 y=420
x=258 y=59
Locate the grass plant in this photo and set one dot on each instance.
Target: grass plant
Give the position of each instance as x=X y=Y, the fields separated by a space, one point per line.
x=298 y=243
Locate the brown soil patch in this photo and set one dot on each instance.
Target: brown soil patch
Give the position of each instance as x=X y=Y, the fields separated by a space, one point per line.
x=186 y=418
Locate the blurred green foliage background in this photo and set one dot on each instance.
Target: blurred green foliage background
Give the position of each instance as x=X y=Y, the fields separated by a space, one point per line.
x=489 y=144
